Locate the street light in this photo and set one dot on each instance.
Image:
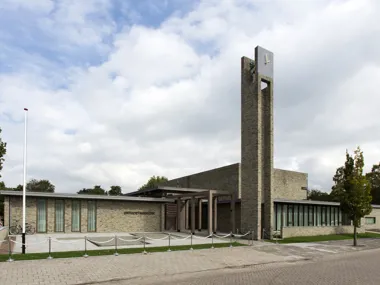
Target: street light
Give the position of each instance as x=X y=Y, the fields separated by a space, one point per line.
x=24 y=187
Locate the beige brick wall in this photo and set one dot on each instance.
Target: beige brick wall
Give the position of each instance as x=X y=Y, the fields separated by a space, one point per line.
x=287 y=184
x=111 y=218
x=222 y=178
x=110 y=215
x=374 y=214
x=315 y=231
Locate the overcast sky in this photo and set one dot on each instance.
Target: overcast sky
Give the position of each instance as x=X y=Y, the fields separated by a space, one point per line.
x=119 y=91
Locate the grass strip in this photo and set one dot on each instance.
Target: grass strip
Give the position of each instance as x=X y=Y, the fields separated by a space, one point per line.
x=71 y=254
x=324 y=238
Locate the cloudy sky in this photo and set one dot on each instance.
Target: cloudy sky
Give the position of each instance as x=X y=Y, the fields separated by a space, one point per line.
x=122 y=90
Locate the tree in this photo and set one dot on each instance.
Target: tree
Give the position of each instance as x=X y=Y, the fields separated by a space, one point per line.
x=353 y=189
x=318 y=195
x=35 y=185
x=153 y=182
x=115 y=191
x=374 y=179
x=3 y=151
x=97 y=190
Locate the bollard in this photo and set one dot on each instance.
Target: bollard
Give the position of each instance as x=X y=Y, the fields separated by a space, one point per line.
x=231 y=239
x=9 y=250
x=144 y=252
x=169 y=244
x=191 y=239
x=85 y=247
x=252 y=237
x=212 y=241
x=115 y=254
x=49 y=257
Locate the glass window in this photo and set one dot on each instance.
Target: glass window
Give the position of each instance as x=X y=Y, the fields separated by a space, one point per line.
x=305 y=215
x=328 y=219
x=41 y=216
x=290 y=215
x=91 y=216
x=59 y=215
x=323 y=216
x=75 y=216
x=340 y=217
x=318 y=214
x=296 y=215
x=370 y=220
x=300 y=216
x=311 y=218
x=278 y=216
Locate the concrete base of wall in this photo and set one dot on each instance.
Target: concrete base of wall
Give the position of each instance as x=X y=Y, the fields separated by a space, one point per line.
x=3 y=233
x=318 y=231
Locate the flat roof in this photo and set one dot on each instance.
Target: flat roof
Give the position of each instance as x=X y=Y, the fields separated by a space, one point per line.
x=167 y=188
x=87 y=196
x=313 y=202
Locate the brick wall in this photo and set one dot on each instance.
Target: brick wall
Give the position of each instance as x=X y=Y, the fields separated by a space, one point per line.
x=374 y=214
x=224 y=220
x=110 y=215
x=222 y=178
x=316 y=231
x=287 y=184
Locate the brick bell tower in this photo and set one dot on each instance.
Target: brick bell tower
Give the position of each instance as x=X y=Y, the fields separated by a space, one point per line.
x=256 y=174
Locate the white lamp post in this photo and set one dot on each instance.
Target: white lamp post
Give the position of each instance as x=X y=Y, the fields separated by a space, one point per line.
x=24 y=186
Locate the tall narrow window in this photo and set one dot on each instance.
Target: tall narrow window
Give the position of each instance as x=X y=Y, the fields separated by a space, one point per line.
x=59 y=215
x=41 y=216
x=91 y=216
x=296 y=215
x=75 y=216
x=301 y=216
x=319 y=216
x=328 y=220
x=285 y=214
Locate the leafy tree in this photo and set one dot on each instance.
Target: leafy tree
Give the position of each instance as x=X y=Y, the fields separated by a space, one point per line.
x=353 y=189
x=97 y=190
x=153 y=182
x=3 y=151
x=115 y=191
x=374 y=179
x=35 y=185
x=318 y=195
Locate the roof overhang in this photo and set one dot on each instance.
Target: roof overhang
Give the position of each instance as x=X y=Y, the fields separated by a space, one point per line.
x=87 y=197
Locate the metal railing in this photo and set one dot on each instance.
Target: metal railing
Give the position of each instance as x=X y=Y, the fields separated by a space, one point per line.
x=143 y=239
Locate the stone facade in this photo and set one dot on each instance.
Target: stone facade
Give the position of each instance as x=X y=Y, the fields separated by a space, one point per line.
x=111 y=216
x=287 y=232
x=256 y=143
x=288 y=184
x=374 y=214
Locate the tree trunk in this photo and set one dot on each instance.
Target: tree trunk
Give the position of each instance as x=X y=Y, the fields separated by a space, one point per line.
x=355 y=236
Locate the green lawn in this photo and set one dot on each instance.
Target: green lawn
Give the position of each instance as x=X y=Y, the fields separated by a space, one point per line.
x=69 y=254
x=325 y=238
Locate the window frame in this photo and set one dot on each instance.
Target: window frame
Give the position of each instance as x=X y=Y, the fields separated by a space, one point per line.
x=55 y=215
x=46 y=215
x=80 y=215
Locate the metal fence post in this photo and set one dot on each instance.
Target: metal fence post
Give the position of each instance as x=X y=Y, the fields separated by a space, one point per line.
x=191 y=239
x=144 y=252
x=85 y=247
x=231 y=239
x=212 y=241
x=49 y=257
x=169 y=243
x=9 y=250
x=116 y=254
x=252 y=237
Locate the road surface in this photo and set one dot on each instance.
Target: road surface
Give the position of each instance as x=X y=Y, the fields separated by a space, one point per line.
x=344 y=269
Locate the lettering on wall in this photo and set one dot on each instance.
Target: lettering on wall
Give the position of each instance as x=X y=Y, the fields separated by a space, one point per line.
x=138 y=213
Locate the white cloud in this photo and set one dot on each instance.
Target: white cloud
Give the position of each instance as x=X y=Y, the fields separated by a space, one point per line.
x=166 y=100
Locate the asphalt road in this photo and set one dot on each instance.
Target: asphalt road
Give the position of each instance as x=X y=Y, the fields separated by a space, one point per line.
x=353 y=268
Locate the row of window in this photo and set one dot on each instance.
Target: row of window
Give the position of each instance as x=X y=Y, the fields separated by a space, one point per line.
x=59 y=216
x=296 y=215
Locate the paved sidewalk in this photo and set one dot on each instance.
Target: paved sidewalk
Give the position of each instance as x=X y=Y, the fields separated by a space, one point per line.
x=102 y=268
